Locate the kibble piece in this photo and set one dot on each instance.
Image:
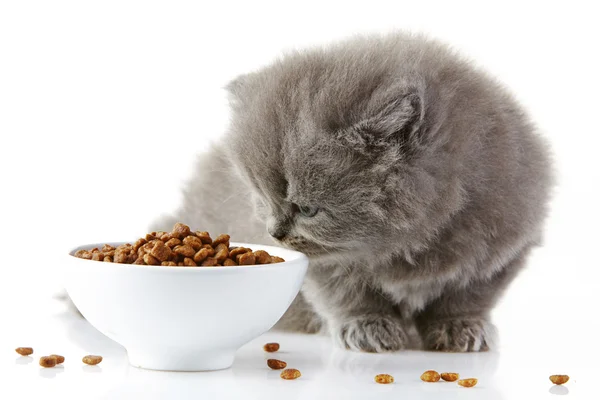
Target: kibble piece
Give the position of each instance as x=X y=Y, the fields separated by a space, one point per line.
x=161 y=251
x=138 y=243
x=168 y=264
x=140 y=260
x=180 y=230
x=173 y=242
x=204 y=237
x=92 y=360
x=86 y=255
x=246 y=259
x=290 y=374
x=24 y=351
x=210 y=262
x=193 y=241
x=384 y=378
x=221 y=252
x=276 y=364
x=200 y=255
x=229 y=263
x=275 y=259
x=107 y=247
x=235 y=251
x=449 y=376
x=469 y=382
x=188 y=262
x=151 y=260
x=185 y=250
x=48 y=362
x=223 y=238
x=59 y=359
x=262 y=257
x=97 y=256
x=209 y=248
x=430 y=376
x=108 y=259
x=559 y=379
x=165 y=237
x=271 y=347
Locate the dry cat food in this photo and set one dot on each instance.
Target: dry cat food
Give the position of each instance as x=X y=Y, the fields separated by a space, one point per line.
x=48 y=362
x=24 y=351
x=59 y=359
x=180 y=248
x=430 y=376
x=384 y=378
x=449 y=376
x=271 y=347
x=290 y=374
x=559 y=379
x=92 y=360
x=469 y=382
x=276 y=364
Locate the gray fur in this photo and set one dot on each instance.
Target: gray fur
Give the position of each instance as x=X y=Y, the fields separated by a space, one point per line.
x=431 y=181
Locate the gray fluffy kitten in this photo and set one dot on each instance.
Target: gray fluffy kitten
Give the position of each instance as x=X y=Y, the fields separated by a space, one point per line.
x=414 y=182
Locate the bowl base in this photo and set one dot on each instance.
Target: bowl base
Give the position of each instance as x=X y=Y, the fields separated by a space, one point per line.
x=181 y=360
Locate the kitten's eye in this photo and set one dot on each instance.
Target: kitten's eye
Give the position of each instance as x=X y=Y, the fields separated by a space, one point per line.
x=307 y=211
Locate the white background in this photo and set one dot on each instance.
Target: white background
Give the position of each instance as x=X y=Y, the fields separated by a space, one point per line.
x=104 y=105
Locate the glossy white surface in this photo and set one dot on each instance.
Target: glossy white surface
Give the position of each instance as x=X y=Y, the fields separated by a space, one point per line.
x=183 y=319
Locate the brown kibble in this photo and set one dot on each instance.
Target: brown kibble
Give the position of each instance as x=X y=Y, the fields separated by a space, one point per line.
x=233 y=252
x=221 y=254
x=166 y=237
x=559 y=379
x=92 y=360
x=262 y=257
x=229 y=263
x=430 y=376
x=469 y=382
x=151 y=260
x=290 y=374
x=246 y=259
x=208 y=247
x=449 y=376
x=275 y=259
x=204 y=237
x=180 y=230
x=271 y=347
x=24 y=351
x=86 y=255
x=223 y=238
x=108 y=259
x=173 y=242
x=193 y=241
x=384 y=378
x=107 y=247
x=138 y=243
x=48 y=362
x=210 y=262
x=188 y=262
x=59 y=359
x=200 y=255
x=168 y=264
x=276 y=364
x=97 y=256
x=185 y=250
x=161 y=251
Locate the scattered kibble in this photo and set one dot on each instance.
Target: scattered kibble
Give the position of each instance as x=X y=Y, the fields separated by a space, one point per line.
x=384 y=378
x=430 y=376
x=48 y=361
x=59 y=359
x=24 y=351
x=92 y=360
x=559 y=379
x=271 y=347
x=290 y=374
x=469 y=382
x=449 y=376
x=276 y=364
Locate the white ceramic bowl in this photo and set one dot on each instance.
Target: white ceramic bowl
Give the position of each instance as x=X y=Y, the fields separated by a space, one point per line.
x=184 y=318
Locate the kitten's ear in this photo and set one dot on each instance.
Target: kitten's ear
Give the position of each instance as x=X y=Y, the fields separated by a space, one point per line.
x=237 y=87
x=395 y=124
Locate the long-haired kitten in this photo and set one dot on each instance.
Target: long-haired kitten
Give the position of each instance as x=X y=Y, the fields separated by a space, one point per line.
x=414 y=182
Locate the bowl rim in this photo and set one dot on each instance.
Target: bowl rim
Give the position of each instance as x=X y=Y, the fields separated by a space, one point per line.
x=296 y=257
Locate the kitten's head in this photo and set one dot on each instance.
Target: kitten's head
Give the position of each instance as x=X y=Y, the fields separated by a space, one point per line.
x=332 y=145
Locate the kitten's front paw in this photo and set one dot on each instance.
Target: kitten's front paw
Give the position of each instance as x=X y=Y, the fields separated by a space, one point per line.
x=373 y=333
x=459 y=335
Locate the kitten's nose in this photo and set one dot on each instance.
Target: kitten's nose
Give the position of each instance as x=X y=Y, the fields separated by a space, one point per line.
x=277 y=233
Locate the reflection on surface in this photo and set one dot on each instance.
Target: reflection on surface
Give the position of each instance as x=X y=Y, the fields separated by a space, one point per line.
x=559 y=390
x=91 y=368
x=51 y=373
x=23 y=360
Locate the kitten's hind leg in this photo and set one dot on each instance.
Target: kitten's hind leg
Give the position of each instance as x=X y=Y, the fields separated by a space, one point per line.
x=459 y=320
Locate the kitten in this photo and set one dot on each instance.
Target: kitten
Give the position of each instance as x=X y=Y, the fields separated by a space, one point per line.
x=414 y=182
